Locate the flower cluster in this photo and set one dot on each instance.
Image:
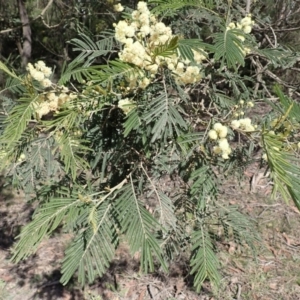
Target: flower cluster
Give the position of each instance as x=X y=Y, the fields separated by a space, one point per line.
x=52 y=102
x=141 y=36
x=126 y=105
x=239 y=109
x=22 y=157
x=243 y=124
x=118 y=7
x=4 y=153
x=40 y=72
x=265 y=157
x=245 y=25
x=219 y=132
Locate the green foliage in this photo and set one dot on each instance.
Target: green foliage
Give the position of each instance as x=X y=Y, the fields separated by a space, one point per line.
x=4 y=294
x=186 y=46
x=169 y=6
x=138 y=224
x=92 y=249
x=228 y=48
x=45 y=221
x=90 y=50
x=204 y=262
x=116 y=159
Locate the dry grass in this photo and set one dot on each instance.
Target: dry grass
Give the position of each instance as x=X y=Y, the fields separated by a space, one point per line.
x=275 y=272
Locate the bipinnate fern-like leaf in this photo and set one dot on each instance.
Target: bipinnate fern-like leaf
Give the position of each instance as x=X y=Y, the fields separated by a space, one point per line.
x=45 y=220
x=139 y=227
x=18 y=119
x=185 y=47
x=90 y=50
x=167 y=49
x=203 y=261
x=204 y=185
x=189 y=141
x=75 y=71
x=168 y=120
x=10 y=73
x=284 y=167
x=165 y=207
x=283 y=164
x=72 y=151
x=228 y=48
x=239 y=225
x=132 y=122
x=289 y=109
x=106 y=74
x=14 y=85
x=280 y=56
x=40 y=162
x=166 y=211
x=103 y=74
x=70 y=148
x=93 y=248
x=167 y=7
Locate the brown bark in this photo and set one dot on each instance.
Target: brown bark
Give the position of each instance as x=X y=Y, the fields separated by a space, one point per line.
x=27 y=46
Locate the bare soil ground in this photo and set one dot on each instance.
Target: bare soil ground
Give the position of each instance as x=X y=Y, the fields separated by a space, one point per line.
x=273 y=274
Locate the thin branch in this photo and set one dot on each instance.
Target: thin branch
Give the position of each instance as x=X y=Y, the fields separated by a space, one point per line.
x=287 y=29
x=264 y=70
x=248 y=6
x=155 y=191
x=46 y=7
x=40 y=16
x=268 y=39
x=271 y=28
x=275 y=37
x=19 y=26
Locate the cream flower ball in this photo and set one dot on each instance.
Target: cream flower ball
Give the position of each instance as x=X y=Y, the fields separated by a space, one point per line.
x=217 y=126
x=212 y=134
x=224 y=145
x=126 y=105
x=235 y=124
x=118 y=7
x=221 y=130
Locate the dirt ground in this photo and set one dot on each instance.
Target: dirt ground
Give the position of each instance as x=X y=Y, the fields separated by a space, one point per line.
x=273 y=274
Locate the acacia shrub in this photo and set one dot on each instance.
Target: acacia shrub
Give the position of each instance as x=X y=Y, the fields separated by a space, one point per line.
x=92 y=149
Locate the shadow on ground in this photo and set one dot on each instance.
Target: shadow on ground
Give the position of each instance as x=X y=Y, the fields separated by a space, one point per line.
x=38 y=276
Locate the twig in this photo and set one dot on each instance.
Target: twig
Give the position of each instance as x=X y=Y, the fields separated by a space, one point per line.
x=248 y=6
x=49 y=284
x=41 y=15
x=239 y=291
x=275 y=37
x=287 y=29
